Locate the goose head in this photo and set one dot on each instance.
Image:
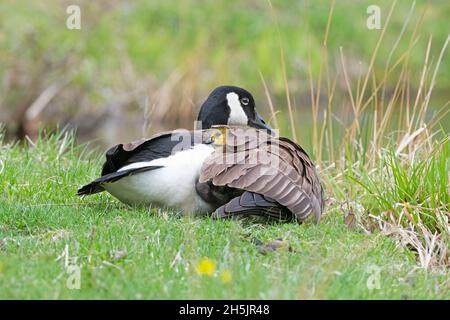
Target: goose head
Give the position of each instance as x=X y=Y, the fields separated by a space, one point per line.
x=230 y=105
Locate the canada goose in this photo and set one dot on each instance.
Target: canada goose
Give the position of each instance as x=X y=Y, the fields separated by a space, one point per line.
x=164 y=169
x=229 y=168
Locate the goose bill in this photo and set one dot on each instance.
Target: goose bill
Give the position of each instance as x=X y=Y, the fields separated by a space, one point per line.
x=259 y=123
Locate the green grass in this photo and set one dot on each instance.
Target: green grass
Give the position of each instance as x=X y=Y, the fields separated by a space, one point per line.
x=420 y=188
x=128 y=252
x=130 y=51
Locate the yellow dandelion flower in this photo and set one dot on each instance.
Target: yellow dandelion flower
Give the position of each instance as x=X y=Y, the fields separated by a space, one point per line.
x=225 y=276
x=206 y=266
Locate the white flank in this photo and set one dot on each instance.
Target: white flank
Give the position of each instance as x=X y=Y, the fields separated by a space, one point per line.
x=237 y=114
x=170 y=186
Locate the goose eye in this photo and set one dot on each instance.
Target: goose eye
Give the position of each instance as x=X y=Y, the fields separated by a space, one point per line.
x=245 y=101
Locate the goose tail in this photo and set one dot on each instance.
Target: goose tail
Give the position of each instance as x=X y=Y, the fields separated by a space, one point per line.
x=96 y=186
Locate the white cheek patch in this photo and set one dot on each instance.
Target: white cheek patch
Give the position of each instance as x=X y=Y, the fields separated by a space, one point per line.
x=237 y=114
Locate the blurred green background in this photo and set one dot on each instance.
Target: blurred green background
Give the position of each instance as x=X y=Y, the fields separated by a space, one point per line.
x=137 y=67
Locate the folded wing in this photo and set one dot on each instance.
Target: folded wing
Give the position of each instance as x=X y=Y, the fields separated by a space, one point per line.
x=276 y=173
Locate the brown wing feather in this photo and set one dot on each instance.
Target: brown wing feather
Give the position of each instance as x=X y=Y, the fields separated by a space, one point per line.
x=276 y=168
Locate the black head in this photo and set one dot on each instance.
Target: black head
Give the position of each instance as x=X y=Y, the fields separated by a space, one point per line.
x=230 y=105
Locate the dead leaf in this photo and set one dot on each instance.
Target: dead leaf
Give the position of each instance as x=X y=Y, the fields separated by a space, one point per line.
x=278 y=244
x=119 y=254
x=92 y=233
x=349 y=218
x=58 y=235
x=3 y=244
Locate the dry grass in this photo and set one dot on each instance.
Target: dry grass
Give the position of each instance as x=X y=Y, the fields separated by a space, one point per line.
x=431 y=248
x=386 y=157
